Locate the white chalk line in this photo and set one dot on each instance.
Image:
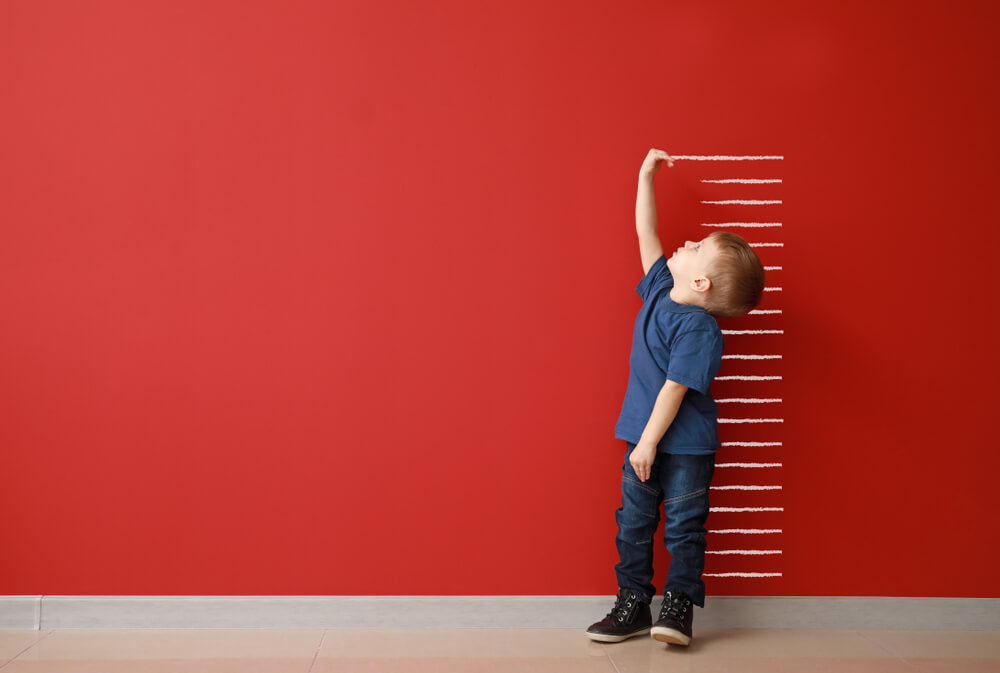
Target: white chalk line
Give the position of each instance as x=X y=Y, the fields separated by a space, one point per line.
x=751 y=420
x=746 y=181
x=767 y=245
x=744 y=202
x=754 y=225
x=747 y=378
x=751 y=357
x=748 y=464
x=744 y=552
x=772 y=268
x=772 y=289
x=726 y=157
x=745 y=531
x=753 y=331
x=748 y=487
x=746 y=509
x=749 y=400
x=741 y=574
x=751 y=443
x=765 y=311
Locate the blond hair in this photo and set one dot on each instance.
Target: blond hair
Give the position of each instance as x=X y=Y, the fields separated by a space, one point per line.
x=737 y=277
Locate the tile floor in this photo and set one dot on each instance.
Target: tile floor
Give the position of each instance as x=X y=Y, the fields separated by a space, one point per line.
x=494 y=651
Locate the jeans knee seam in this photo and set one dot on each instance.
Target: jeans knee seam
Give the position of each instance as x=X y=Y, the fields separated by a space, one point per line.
x=686 y=496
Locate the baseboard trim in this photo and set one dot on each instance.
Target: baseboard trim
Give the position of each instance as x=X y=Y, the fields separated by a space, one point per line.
x=481 y=612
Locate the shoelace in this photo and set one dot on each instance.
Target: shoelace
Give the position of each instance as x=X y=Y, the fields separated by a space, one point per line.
x=673 y=606
x=622 y=606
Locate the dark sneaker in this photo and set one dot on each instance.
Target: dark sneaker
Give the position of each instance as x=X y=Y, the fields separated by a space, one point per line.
x=630 y=617
x=674 y=624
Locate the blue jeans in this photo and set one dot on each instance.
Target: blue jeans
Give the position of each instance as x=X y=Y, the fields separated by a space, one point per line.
x=681 y=483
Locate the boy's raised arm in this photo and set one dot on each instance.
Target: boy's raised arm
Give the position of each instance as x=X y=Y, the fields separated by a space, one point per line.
x=650 y=247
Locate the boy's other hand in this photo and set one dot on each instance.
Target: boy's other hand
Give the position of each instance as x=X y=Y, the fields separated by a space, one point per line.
x=653 y=161
x=642 y=458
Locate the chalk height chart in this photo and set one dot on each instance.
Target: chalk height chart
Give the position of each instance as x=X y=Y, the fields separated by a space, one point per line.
x=744 y=524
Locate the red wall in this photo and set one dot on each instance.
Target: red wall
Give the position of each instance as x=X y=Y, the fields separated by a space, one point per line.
x=320 y=298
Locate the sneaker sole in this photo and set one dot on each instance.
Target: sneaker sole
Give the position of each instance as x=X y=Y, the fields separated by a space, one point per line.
x=609 y=638
x=666 y=635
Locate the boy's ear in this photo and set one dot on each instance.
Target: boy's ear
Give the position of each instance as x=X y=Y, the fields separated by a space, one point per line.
x=701 y=284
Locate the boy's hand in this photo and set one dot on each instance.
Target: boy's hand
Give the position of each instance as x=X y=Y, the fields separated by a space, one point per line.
x=653 y=161
x=642 y=458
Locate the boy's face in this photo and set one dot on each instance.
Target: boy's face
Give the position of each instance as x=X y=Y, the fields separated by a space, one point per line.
x=692 y=261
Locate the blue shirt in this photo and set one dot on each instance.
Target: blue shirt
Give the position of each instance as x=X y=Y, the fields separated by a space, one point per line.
x=680 y=342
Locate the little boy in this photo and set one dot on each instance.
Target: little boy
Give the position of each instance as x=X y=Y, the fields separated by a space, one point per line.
x=668 y=420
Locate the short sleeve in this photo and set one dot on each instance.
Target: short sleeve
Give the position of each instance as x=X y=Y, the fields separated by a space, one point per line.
x=656 y=278
x=695 y=359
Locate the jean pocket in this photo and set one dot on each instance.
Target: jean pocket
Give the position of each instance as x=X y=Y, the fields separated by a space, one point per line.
x=636 y=483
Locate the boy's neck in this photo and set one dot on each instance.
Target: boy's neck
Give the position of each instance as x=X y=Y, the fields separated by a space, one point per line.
x=678 y=296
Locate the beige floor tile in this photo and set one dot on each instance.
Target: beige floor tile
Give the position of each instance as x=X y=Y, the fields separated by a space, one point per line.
x=465 y=665
x=231 y=665
x=462 y=643
x=767 y=643
x=955 y=665
x=135 y=644
x=939 y=644
x=496 y=651
x=13 y=643
x=672 y=661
